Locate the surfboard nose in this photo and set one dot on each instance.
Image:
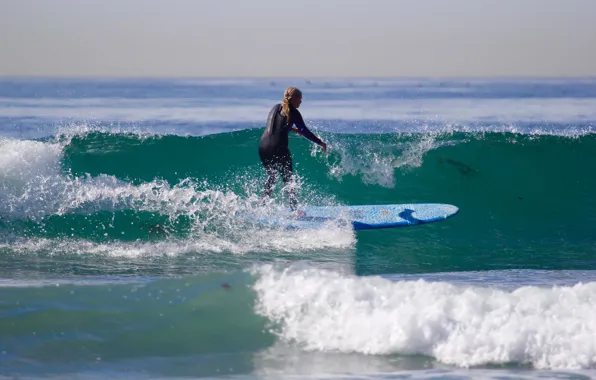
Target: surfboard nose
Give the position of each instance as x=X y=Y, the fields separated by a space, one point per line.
x=450 y=210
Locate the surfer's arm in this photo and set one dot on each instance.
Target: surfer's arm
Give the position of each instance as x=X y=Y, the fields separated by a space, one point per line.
x=304 y=131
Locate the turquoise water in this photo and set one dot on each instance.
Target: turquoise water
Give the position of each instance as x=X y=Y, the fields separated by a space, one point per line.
x=122 y=254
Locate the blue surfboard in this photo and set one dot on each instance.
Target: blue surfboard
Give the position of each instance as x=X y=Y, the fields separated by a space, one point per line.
x=361 y=217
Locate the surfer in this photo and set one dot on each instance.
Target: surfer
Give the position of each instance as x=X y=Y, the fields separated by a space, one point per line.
x=273 y=147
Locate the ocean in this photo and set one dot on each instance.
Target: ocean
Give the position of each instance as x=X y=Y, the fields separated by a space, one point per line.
x=122 y=255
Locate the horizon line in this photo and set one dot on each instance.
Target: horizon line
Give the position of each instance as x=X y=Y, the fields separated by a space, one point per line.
x=296 y=77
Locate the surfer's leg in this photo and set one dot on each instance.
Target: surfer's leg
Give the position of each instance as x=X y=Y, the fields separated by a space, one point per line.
x=288 y=178
x=271 y=177
x=268 y=161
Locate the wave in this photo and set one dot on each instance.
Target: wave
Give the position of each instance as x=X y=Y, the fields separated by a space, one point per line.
x=313 y=310
x=464 y=326
x=85 y=165
x=524 y=200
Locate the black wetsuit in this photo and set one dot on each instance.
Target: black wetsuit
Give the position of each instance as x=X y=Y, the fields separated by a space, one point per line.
x=273 y=147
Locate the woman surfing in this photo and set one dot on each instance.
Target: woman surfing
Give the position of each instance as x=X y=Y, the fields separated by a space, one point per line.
x=273 y=147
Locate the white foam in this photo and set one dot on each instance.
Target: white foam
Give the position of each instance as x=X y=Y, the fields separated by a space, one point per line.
x=213 y=225
x=34 y=187
x=27 y=170
x=243 y=241
x=551 y=328
x=376 y=162
x=32 y=157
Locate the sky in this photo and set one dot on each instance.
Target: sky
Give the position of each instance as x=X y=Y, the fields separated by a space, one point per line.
x=298 y=38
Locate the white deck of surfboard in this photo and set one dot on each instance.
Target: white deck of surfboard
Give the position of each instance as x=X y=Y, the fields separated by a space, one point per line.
x=361 y=216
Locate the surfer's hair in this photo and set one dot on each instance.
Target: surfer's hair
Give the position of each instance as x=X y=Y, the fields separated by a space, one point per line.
x=289 y=94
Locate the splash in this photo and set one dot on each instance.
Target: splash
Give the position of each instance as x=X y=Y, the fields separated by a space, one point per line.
x=49 y=210
x=376 y=159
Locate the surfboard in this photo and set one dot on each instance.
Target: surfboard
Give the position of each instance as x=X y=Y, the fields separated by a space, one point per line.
x=361 y=217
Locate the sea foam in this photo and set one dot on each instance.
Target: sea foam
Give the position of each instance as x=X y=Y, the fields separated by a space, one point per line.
x=465 y=326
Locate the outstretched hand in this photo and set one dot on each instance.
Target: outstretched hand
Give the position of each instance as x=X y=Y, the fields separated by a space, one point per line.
x=324 y=146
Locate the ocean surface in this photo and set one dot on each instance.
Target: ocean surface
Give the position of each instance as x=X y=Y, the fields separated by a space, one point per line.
x=121 y=255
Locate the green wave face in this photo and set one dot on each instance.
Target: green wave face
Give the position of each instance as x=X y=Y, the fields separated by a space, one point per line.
x=522 y=198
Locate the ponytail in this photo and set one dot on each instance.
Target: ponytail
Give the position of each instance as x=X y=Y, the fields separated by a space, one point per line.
x=286 y=106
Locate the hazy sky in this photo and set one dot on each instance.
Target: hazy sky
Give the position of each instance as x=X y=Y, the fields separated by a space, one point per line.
x=298 y=37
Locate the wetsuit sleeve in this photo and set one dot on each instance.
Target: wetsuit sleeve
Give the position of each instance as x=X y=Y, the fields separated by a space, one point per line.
x=299 y=122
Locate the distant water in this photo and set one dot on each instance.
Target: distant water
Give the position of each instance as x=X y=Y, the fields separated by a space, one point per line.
x=122 y=256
